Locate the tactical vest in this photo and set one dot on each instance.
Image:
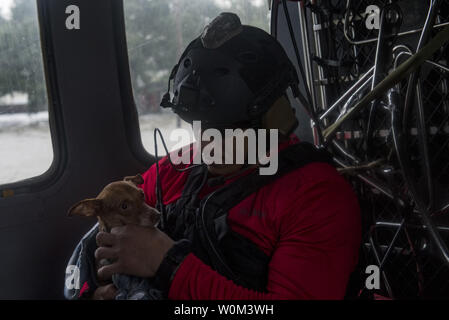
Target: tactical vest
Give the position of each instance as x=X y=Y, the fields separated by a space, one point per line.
x=204 y=222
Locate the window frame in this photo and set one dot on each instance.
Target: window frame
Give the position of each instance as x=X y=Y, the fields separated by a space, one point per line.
x=56 y=124
x=130 y=113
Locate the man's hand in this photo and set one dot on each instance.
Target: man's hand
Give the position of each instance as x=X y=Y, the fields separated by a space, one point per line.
x=107 y=292
x=134 y=250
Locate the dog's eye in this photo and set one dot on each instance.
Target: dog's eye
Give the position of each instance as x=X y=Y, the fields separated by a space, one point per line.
x=124 y=206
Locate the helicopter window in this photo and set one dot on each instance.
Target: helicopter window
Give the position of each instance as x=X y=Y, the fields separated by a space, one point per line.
x=25 y=140
x=157 y=32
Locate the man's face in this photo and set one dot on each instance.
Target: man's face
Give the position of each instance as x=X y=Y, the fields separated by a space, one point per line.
x=228 y=144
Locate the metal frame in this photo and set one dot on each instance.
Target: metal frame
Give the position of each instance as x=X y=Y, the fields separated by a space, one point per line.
x=424 y=204
x=404 y=33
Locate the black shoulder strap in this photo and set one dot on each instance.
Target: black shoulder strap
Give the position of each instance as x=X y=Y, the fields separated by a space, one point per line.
x=181 y=213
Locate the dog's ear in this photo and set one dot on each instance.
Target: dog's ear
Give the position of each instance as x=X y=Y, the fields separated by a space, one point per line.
x=137 y=179
x=88 y=208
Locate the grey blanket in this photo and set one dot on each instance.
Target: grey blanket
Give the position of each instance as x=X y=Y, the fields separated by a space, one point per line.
x=81 y=280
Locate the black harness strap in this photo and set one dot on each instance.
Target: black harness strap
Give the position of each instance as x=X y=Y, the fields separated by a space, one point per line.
x=182 y=213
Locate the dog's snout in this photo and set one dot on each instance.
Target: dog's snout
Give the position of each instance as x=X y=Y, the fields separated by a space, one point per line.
x=150 y=216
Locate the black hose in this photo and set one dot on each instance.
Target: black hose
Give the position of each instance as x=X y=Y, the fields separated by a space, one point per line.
x=159 y=197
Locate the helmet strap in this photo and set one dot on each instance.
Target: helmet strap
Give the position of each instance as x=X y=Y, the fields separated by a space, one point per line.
x=166 y=99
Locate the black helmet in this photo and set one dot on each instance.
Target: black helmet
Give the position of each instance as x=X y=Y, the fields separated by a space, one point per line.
x=230 y=75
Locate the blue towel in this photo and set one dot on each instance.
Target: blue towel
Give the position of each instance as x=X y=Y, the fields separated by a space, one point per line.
x=81 y=279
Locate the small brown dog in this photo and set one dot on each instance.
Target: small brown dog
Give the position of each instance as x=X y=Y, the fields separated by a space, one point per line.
x=119 y=203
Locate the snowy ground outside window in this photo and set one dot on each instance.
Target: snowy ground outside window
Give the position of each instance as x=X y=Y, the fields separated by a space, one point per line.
x=26 y=150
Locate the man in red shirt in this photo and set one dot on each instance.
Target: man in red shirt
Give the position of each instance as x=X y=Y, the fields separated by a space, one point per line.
x=295 y=236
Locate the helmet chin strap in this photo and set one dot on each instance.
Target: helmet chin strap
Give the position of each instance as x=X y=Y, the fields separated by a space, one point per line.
x=166 y=99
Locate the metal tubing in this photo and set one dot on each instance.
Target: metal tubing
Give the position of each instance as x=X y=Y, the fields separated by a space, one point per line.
x=393 y=78
x=435 y=64
x=318 y=52
x=306 y=54
x=356 y=85
x=376 y=255
x=360 y=42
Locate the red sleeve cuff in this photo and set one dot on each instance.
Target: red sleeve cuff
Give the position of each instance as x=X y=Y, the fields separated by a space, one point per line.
x=178 y=288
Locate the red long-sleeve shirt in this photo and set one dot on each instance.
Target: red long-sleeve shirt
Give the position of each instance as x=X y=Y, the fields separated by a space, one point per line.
x=307 y=221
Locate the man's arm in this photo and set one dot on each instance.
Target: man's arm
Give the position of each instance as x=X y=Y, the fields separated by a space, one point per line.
x=319 y=238
x=316 y=252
